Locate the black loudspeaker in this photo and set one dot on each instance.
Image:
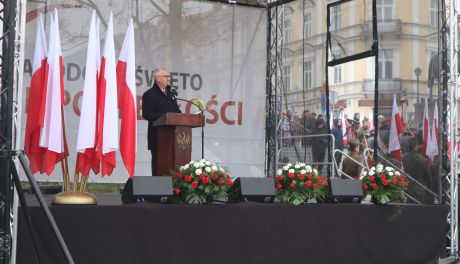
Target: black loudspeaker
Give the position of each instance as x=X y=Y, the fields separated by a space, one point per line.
x=253 y=189
x=345 y=191
x=152 y=189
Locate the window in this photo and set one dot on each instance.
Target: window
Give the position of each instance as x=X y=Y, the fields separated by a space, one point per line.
x=434 y=13
x=385 y=9
x=307 y=74
x=386 y=64
x=307 y=24
x=336 y=20
x=287 y=77
x=287 y=24
x=338 y=74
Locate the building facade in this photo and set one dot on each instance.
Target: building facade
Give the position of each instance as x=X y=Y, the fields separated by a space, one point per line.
x=408 y=40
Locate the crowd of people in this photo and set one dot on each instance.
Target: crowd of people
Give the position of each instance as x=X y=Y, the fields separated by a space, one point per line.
x=353 y=136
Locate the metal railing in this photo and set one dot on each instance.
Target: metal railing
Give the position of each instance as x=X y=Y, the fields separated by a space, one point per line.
x=329 y=164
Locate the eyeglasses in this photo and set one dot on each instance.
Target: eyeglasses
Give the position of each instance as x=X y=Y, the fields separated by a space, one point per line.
x=167 y=76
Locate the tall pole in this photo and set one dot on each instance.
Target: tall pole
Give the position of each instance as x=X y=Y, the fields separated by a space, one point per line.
x=418 y=72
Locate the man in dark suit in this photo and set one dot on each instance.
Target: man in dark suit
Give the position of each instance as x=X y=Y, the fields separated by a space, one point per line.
x=155 y=102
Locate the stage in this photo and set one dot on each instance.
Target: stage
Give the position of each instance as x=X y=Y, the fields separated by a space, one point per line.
x=240 y=233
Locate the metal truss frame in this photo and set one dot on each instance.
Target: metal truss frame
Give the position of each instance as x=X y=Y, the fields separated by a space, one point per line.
x=273 y=86
x=448 y=90
x=12 y=21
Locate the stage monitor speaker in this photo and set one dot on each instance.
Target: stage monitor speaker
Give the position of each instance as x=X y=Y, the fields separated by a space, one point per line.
x=253 y=189
x=152 y=189
x=345 y=191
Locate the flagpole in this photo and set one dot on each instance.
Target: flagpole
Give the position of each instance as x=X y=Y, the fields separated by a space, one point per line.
x=66 y=188
x=83 y=183
x=76 y=177
x=66 y=163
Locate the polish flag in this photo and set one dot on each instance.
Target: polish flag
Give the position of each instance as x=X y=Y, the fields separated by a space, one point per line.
x=52 y=134
x=432 y=146
x=107 y=132
x=86 y=142
x=396 y=129
x=426 y=128
x=126 y=79
x=371 y=121
x=32 y=136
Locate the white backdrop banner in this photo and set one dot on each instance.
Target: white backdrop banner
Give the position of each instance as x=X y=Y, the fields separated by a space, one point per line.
x=215 y=52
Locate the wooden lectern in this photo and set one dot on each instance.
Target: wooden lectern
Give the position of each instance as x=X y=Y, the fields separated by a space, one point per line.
x=174 y=140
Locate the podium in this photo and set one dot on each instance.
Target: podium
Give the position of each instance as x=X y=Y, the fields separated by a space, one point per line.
x=174 y=140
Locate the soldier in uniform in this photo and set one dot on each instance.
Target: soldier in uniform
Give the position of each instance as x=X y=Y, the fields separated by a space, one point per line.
x=350 y=167
x=362 y=134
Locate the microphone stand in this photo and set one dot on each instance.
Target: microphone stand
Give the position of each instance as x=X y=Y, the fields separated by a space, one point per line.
x=202 y=120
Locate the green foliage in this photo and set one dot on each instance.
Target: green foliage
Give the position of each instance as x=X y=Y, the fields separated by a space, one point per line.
x=199 y=181
x=297 y=183
x=384 y=184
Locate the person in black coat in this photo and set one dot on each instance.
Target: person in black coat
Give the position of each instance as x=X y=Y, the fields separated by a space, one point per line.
x=338 y=137
x=319 y=144
x=157 y=101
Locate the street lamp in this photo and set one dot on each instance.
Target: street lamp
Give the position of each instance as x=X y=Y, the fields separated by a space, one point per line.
x=417 y=72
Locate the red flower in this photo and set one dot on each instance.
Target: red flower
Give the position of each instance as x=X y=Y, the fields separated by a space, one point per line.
x=385 y=182
x=202 y=175
x=308 y=183
x=394 y=181
x=300 y=176
x=229 y=182
x=176 y=191
x=310 y=176
x=292 y=184
x=220 y=181
x=372 y=178
x=291 y=175
x=280 y=177
x=365 y=187
x=213 y=176
x=279 y=186
x=194 y=184
x=179 y=174
x=315 y=186
x=326 y=183
x=188 y=178
x=205 y=179
x=383 y=176
x=374 y=186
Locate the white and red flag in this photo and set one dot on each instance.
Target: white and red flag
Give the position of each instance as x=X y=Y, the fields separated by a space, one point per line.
x=32 y=136
x=52 y=134
x=371 y=121
x=107 y=132
x=86 y=141
x=432 y=146
x=126 y=80
x=426 y=127
x=396 y=129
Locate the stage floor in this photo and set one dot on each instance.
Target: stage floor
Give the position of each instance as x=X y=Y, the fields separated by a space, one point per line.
x=240 y=233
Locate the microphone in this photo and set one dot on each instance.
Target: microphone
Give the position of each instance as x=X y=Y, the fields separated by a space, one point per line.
x=173 y=91
x=196 y=102
x=199 y=104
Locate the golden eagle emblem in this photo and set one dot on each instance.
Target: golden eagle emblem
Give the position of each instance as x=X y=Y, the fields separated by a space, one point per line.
x=183 y=141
